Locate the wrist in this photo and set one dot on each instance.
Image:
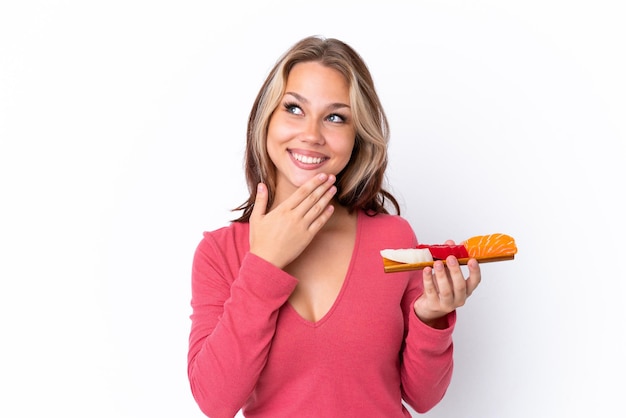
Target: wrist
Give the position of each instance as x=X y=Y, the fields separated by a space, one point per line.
x=437 y=323
x=269 y=258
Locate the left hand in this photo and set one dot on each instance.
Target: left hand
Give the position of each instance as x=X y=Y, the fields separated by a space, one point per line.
x=445 y=289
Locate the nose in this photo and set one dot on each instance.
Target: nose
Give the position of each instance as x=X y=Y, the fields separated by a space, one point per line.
x=313 y=133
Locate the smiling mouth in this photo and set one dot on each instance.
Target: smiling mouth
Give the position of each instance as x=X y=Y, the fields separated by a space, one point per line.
x=305 y=159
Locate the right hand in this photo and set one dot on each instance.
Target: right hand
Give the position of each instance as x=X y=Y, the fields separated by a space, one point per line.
x=281 y=235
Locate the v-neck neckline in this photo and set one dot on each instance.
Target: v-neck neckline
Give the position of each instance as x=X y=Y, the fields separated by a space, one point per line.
x=344 y=285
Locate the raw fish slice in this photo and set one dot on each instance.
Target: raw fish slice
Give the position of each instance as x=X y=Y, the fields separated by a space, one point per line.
x=492 y=245
x=407 y=255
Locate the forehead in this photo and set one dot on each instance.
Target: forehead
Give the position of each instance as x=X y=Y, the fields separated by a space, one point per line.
x=316 y=78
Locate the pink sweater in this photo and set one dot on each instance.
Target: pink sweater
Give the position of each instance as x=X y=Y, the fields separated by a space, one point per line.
x=248 y=347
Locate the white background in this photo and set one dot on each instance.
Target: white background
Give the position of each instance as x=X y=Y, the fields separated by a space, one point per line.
x=121 y=136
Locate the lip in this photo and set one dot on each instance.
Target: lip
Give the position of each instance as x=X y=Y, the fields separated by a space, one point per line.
x=307 y=160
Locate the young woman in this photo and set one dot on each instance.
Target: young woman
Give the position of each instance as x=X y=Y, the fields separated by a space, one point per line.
x=293 y=315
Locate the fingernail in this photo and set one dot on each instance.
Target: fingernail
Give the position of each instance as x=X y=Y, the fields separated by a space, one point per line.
x=322 y=176
x=453 y=262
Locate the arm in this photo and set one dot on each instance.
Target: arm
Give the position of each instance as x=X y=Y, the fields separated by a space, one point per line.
x=433 y=315
x=233 y=323
x=427 y=361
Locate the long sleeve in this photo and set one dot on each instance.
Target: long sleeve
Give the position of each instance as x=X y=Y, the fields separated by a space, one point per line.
x=250 y=350
x=427 y=360
x=234 y=313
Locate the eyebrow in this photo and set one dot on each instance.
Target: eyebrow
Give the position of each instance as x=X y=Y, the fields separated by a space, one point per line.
x=305 y=101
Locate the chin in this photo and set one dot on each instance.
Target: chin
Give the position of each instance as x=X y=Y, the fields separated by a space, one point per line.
x=299 y=180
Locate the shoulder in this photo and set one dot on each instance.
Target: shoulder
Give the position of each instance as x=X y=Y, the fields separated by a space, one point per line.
x=387 y=221
x=222 y=250
x=389 y=228
x=228 y=238
x=233 y=231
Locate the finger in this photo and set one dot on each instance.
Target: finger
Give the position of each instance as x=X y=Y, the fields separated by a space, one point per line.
x=449 y=242
x=260 y=202
x=319 y=198
x=475 y=276
x=319 y=211
x=430 y=289
x=319 y=221
x=446 y=293
x=311 y=192
x=459 y=285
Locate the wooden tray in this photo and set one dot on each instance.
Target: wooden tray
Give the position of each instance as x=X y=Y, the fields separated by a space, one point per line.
x=394 y=266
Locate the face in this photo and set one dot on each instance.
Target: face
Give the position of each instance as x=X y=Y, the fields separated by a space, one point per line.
x=311 y=131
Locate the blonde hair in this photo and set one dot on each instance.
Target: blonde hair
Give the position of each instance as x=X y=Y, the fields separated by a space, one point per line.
x=360 y=184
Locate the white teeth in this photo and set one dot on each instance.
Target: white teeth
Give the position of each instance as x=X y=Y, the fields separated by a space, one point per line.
x=307 y=160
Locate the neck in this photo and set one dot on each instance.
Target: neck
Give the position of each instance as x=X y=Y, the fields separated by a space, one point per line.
x=340 y=216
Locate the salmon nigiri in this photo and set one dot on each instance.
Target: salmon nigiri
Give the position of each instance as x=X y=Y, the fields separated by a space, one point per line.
x=492 y=245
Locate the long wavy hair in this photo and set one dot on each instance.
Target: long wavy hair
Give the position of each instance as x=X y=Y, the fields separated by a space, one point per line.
x=360 y=183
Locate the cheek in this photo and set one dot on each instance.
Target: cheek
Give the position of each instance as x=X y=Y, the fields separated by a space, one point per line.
x=279 y=128
x=347 y=150
x=273 y=136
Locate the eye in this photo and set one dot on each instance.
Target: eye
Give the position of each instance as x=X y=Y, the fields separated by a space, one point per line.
x=293 y=108
x=335 y=118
